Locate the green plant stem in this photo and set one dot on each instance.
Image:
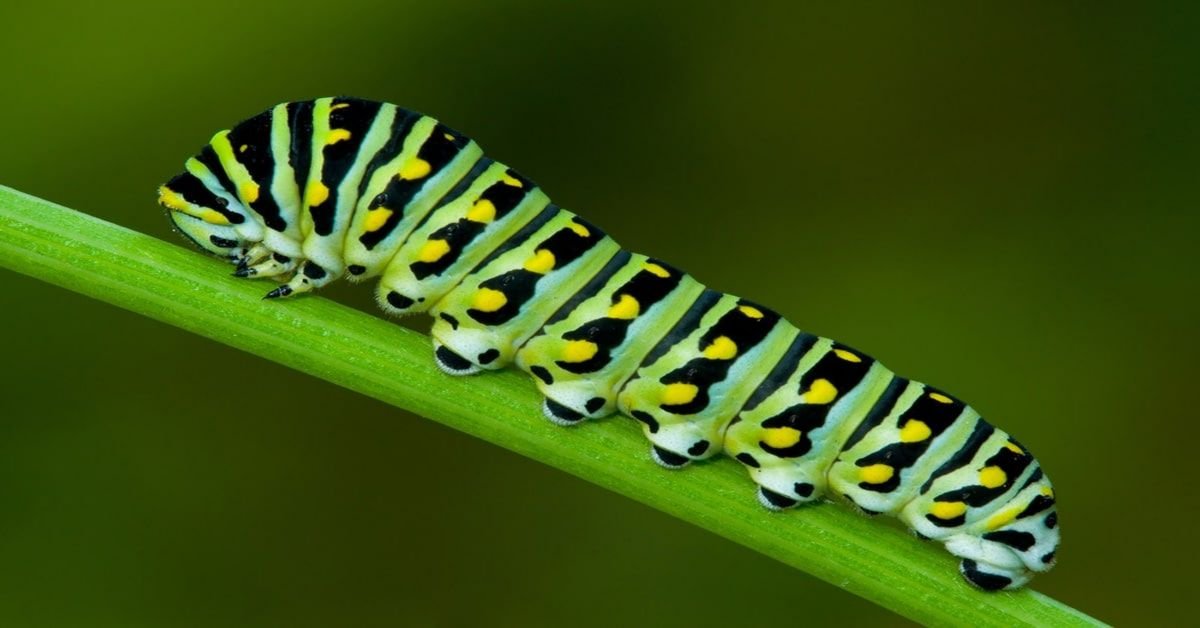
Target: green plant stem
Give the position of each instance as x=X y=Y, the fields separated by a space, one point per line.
x=377 y=358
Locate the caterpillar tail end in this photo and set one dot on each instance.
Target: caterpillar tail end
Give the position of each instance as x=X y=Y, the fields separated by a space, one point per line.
x=995 y=566
x=992 y=577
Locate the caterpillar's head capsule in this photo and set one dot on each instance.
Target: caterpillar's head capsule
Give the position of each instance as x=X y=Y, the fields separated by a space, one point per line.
x=209 y=219
x=220 y=240
x=188 y=194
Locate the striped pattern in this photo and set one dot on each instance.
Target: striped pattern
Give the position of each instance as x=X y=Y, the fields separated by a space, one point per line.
x=313 y=191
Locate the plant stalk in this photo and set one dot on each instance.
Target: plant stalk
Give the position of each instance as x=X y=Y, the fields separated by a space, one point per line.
x=374 y=357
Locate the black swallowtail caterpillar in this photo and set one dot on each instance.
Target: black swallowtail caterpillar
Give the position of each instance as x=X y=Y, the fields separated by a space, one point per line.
x=312 y=191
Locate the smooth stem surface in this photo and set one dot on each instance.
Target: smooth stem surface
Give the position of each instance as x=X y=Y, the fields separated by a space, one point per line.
x=377 y=358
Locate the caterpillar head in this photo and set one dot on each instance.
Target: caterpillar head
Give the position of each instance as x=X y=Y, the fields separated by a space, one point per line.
x=208 y=219
x=220 y=240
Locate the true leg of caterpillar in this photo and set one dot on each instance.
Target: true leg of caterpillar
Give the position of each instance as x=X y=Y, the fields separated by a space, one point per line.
x=309 y=277
x=277 y=264
x=255 y=254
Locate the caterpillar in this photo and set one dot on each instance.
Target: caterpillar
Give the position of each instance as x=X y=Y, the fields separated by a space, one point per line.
x=312 y=191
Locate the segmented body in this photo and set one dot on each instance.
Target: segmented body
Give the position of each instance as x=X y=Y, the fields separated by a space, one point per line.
x=316 y=190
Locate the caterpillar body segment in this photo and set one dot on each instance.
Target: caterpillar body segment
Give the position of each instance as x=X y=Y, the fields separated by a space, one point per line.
x=309 y=192
x=510 y=296
x=473 y=222
x=394 y=199
x=592 y=345
x=688 y=389
x=794 y=427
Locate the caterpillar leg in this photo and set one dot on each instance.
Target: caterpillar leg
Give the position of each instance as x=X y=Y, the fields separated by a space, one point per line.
x=310 y=277
x=988 y=565
x=559 y=414
x=452 y=363
x=277 y=264
x=252 y=255
x=781 y=488
x=788 y=440
x=667 y=458
x=1009 y=556
x=775 y=501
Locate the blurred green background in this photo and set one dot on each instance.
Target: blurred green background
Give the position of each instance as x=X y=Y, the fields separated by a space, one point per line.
x=1000 y=201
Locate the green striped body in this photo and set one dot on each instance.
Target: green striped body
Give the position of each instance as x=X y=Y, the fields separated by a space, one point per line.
x=313 y=191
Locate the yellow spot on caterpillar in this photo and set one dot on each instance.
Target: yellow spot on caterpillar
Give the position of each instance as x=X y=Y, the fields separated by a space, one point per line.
x=243 y=148
x=448 y=136
x=376 y=218
x=847 y=355
x=336 y=135
x=1047 y=491
x=541 y=263
x=172 y=200
x=948 y=510
x=1011 y=446
x=876 y=473
x=341 y=105
x=780 y=437
x=1002 y=518
x=992 y=477
x=656 y=270
x=626 y=308
x=316 y=194
x=722 y=348
x=579 y=350
x=579 y=229
x=249 y=191
x=213 y=216
x=433 y=250
x=940 y=398
x=488 y=300
x=416 y=168
x=511 y=181
x=821 y=392
x=678 y=394
x=914 y=431
x=482 y=211
x=750 y=311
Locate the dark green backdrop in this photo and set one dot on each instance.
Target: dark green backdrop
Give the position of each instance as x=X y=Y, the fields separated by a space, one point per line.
x=1002 y=202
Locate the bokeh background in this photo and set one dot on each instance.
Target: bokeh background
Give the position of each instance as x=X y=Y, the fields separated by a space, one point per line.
x=1000 y=201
